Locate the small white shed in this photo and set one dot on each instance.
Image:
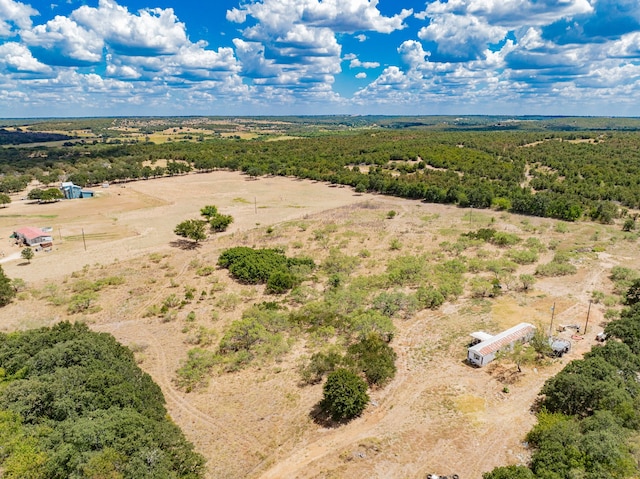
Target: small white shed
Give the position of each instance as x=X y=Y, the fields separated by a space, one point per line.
x=485 y=351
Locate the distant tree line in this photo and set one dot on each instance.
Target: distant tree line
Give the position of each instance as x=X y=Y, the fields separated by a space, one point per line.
x=547 y=174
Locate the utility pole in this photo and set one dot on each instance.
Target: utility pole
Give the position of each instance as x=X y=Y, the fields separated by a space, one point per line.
x=553 y=310
x=83 y=240
x=587 y=322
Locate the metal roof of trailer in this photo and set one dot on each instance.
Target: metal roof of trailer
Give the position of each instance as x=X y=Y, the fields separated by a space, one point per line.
x=503 y=339
x=481 y=335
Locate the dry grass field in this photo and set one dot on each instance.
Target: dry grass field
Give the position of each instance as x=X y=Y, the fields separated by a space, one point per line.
x=437 y=416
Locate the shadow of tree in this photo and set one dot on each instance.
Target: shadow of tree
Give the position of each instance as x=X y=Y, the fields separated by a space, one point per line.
x=321 y=417
x=184 y=244
x=324 y=419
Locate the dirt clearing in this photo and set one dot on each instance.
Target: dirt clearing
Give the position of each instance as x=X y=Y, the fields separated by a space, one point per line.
x=437 y=416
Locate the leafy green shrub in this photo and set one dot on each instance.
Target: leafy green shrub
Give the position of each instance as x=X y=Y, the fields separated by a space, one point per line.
x=208 y=211
x=279 y=282
x=344 y=395
x=220 y=223
x=484 y=234
x=195 y=370
x=391 y=214
x=535 y=244
x=622 y=273
x=375 y=358
x=555 y=269
x=319 y=365
x=258 y=334
x=83 y=302
x=429 y=297
x=502 y=238
x=483 y=288
x=338 y=262
x=205 y=271
x=406 y=270
x=559 y=266
x=509 y=472
x=253 y=266
x=523 y=256
x=391 y=303
x=500 y=266
x=371 y=322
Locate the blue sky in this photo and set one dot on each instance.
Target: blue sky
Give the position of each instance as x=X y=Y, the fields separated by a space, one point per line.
x=278 y=57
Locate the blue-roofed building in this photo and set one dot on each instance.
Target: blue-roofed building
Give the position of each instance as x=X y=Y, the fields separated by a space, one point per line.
x=72 y=191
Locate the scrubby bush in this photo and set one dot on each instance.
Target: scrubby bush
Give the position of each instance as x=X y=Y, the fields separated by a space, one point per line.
x=253 y=266
x=280 y=282
x=523 y=256
x=429 y=297
x=319 y=365
x=220 y=223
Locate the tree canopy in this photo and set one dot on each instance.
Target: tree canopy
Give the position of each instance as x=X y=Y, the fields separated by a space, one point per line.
x=75 y=404
x=192 y=229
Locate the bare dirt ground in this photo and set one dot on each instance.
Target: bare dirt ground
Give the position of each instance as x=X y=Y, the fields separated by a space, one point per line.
x=437 y=416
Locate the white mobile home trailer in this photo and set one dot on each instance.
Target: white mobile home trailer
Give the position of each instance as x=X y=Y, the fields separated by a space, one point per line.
x=485 y=351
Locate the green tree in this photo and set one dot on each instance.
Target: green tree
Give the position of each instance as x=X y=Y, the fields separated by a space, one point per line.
x=629 y=224
x=632 y=295
x=27 y=254
x=527 y=280
x=220 y=223
x=375 y=359
x=7 y=292
x=192 y=229
x=4 y=199
x=509 y=472
x=51 y=194
x=208 y=211
x=344 y=395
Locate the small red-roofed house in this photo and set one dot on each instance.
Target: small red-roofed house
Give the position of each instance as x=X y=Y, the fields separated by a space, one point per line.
x=32 y=236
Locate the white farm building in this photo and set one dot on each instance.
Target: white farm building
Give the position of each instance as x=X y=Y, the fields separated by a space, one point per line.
x=485 y=351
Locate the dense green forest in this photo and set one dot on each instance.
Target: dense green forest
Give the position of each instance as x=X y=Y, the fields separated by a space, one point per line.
x=534 y=167
x=18 y=137
x=74 y=404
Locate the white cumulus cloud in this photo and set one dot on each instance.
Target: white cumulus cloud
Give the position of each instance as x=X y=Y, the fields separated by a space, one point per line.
x=14 y=13
x=16 y=58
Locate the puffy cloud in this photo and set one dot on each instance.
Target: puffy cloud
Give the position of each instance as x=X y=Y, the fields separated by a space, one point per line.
x=461 y=37
x=510 y=13
x=462 y=30
x=345 y=16
x=412 y=53
x=62 y=41
x=361 y=75
x=17 y=59
x=16 y=13
x=355 y=63
x=150 y=32
x=295 y=40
